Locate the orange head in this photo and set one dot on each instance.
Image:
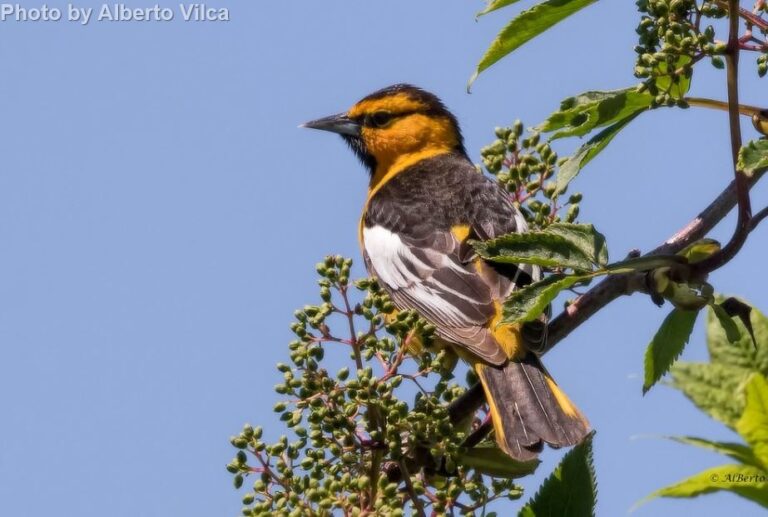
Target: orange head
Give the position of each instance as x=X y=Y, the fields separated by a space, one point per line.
x=395 y=126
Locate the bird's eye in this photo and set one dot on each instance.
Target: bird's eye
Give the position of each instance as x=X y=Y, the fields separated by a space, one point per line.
x=380 y=118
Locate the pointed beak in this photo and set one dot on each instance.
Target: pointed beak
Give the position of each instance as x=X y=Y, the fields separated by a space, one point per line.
x=340 y=124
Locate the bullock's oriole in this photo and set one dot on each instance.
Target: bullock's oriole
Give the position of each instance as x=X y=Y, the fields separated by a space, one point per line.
x=425 y=201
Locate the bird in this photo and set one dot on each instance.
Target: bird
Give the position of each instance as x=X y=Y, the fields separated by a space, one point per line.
x=426 y=201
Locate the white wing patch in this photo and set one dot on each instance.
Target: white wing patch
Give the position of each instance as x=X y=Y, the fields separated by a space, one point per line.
x=388 y=254
x=534 y=271
x=400 y=269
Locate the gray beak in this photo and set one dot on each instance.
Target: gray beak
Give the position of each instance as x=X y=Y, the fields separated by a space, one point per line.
x=340 y=124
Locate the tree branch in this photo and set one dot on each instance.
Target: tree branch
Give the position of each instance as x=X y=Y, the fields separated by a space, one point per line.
x=612 y=287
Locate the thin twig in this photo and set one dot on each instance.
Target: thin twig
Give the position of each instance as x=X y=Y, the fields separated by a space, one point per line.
x=479 y=434
x=758 y=218
x=739 y=237
x=700 y=102
x=349 y=313
x=750 y=17
x=411 y=491
x=466 y=404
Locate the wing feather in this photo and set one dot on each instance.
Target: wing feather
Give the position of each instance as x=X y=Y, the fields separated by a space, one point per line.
x=433 y=281
x=409 y=246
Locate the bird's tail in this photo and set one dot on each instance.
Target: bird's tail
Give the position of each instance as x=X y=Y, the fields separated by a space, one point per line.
x=528 y=409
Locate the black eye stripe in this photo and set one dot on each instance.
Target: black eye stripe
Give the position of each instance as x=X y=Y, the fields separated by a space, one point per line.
x=380 y=118
x=367 y=120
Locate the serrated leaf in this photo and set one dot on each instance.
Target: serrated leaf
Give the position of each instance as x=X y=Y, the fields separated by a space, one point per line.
x=571 y=489
x=667 y=345
x=732 y=333
x=579 y=115
x=526 y=26
x=529 y=302
x=716 y=389
x=753 y=157
x=743 y=352
x=753 y=424
x=745 y=480
x=540 y=248
x=586 y=152
x=495 y=5
x=585 y=237
x=736 y=451
x=488 y=459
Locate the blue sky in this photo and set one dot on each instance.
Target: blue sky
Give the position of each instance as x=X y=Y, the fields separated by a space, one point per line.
x=161 y=215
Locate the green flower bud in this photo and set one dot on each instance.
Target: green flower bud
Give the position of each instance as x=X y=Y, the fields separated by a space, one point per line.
x=517 y=127
x=573 y=213
x=239 y=442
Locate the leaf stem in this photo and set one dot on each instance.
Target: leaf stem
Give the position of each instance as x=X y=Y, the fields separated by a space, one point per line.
x=744 y=109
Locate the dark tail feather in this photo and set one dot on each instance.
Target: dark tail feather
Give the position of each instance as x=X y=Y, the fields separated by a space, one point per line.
x=529 y=409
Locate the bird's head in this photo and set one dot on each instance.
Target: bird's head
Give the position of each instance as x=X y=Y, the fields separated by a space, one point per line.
x=395 y=125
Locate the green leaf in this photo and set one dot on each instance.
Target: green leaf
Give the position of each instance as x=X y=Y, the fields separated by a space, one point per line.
x=579 y=115
x=736 y=451
x=576 y=246
x=646 y=263
x=732 y=333
x=528 y=303
x=745 y=480
x=583 y=236
x=490 y=460
x=570 y=490
x=753 y=424
x=743 y=352
x=664 y=81
x=586 y=152
x=667 y=345
x=753 y=157
x=526 y=26
x=540 y=248
x=495 y=5
x=699 y=250
x=717 y=389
